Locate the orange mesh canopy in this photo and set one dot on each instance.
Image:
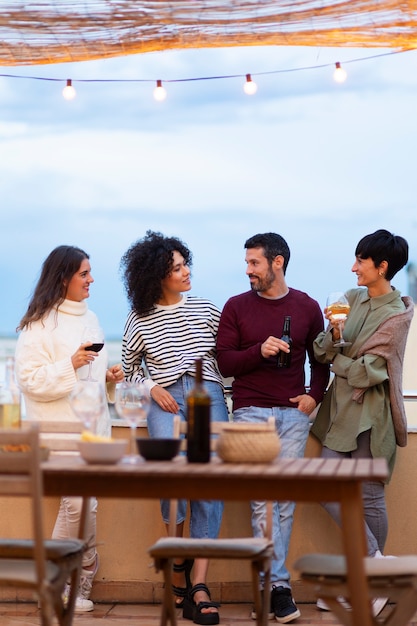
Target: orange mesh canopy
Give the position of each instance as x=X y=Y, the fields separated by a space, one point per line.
x=56 y=31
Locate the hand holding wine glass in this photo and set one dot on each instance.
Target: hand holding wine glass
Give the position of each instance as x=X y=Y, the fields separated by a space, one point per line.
x=338 y=308
x=132 y=404
x=88 y=402
x=95 y=335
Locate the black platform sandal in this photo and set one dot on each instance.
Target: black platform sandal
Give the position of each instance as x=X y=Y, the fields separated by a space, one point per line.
x=193 y=611
x=182 y=592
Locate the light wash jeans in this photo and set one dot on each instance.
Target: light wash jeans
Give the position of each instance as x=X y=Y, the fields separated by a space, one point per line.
x=68 y=522
x=205 y=515
x=373 y=492
x=292 y=426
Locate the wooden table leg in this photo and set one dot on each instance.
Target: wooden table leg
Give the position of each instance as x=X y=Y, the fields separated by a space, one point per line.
x=354 y=537
x=85 y=511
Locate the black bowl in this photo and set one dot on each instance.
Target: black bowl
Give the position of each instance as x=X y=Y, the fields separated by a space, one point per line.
x=158 y=449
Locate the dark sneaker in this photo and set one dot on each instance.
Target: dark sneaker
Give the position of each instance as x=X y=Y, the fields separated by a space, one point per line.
x=283 y=605
x=271 y=613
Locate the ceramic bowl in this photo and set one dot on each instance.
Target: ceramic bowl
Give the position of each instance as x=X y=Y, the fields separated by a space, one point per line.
x=107 y=452
x=158 y=449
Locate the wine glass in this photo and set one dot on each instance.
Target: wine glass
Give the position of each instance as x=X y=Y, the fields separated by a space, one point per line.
x=338 y=307
x=96 y=336
x=132 y=404
x=88 y=402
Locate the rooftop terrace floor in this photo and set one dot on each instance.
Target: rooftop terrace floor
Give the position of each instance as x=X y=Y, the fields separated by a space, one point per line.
x=26 y=614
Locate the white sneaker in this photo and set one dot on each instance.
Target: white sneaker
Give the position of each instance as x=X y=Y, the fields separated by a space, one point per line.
x=82 y=602
x=83 y=605
x=377 y=605
x=321 y=604
x=378 y=555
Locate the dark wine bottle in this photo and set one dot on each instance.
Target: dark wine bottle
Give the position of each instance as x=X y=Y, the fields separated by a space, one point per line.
x=198 y=418
x=284 y=358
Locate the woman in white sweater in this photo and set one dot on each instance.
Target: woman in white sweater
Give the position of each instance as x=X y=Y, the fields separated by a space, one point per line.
x=50 y=358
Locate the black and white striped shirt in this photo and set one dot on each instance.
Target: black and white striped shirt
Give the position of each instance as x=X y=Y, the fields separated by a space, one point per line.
x=169 y=340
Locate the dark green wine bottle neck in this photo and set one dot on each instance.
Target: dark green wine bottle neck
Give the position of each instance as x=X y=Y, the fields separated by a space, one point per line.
x=199 y=372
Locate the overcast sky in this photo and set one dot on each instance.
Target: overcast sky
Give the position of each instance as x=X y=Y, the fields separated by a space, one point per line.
x=322 y=164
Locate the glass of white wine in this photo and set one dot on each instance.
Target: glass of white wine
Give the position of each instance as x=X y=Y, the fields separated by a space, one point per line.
x=132 y=404
x=339 y=308
x=88 y=402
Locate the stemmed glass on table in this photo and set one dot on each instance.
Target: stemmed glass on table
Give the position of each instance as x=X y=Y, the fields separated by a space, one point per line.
x=96 y=336
x=339 y=308
x=88 y=402
x=132 y=404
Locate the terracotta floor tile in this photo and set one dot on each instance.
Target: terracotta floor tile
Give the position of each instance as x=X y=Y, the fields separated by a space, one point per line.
x=22 y=614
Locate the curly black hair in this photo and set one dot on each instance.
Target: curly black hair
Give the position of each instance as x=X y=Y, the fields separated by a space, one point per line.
x=145 y=264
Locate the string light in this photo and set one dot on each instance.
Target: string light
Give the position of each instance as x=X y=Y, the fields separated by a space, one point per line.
x=340 y=74
x=69 y=92
x=250 y=87
x=159 y=93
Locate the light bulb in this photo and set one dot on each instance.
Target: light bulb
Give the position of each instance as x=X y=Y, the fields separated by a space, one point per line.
x=249 y=86
x=69 y=92
x=159 y=93
x=339 y=74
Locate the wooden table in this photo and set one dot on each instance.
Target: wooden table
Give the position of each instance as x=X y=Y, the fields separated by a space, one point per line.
x=307 y=480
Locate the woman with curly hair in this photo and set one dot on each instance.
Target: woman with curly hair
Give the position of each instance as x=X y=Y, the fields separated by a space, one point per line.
x=166 y=331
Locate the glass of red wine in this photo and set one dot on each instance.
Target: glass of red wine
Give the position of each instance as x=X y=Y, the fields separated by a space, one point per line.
x=96 y=336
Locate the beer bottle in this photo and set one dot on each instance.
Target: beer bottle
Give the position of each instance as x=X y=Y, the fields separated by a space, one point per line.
x=198 y=418
x=284 y=358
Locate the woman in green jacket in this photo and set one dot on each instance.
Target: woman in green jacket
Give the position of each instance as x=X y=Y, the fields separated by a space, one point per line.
x=362 y=414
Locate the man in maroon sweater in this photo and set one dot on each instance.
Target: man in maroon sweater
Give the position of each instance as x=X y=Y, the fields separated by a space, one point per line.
x=248 y=343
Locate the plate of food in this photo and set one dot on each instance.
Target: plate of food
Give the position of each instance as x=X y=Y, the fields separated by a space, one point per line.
x=12 y=456
x=101 y=450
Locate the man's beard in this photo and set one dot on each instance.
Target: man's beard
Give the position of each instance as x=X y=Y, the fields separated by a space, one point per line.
x=263 y=284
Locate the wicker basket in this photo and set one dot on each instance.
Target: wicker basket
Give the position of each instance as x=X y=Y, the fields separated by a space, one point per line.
x=248 y=443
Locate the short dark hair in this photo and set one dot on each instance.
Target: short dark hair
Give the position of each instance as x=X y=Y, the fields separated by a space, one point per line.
x=272 y=245
x=384 y=246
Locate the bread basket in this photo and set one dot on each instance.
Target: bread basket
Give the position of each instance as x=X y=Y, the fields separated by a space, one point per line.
x=248 y=443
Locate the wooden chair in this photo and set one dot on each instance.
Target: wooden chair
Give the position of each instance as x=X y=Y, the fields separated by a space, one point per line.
x=60 y=436
x=41 y=566
x=393 y=578
x=259 y=551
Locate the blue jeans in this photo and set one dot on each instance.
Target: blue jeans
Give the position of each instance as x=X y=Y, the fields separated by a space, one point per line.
x=205 y=515
x=293 y=427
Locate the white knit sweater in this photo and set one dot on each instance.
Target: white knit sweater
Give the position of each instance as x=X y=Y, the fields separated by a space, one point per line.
x=44 y=369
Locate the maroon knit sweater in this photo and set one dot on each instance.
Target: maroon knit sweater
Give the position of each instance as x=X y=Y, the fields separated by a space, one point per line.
x=246 y=321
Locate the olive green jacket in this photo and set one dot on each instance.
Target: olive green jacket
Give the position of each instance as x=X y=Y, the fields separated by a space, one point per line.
x=366 y=391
